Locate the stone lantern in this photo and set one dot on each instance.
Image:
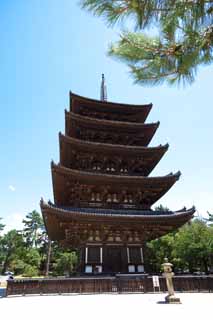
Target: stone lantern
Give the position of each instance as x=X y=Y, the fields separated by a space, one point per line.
x=168 y=274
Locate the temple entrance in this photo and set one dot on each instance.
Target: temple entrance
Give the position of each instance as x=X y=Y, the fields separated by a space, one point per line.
x=113 y=259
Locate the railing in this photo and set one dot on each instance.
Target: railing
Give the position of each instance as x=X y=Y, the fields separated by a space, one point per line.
x=117 y=284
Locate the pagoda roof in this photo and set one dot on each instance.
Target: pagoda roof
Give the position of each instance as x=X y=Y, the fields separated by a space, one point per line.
x=54 y=216
x=77 y=101
x=114 y=148
x=107 y=178
x=72 y=148
x=153 y=187
x=110 y=123
x=141 y=132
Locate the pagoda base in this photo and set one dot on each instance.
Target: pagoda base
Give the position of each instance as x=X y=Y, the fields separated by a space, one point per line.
x=111 y=259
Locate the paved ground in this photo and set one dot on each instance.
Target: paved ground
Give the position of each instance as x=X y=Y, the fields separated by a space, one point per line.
x=107 y=306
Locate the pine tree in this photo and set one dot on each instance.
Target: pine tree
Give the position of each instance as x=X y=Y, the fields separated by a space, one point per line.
x=11 y=244
x=33 y=227
x=210 y=219
x=1 y=225
x=183 y=40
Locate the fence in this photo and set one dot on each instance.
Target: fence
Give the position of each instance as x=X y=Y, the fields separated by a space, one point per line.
x=117 y=284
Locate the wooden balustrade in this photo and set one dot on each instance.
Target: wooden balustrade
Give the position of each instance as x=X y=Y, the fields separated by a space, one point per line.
x=116 y=284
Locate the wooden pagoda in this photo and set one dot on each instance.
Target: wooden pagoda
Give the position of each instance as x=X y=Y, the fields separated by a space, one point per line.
x=102 y=189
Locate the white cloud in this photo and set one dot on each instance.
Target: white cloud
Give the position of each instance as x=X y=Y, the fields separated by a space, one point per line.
x=12 y=188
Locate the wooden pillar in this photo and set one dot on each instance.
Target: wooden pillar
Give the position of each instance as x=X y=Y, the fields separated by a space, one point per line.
x=145 y=256
x=86 y=255
x=141 y=251
x=124 y=257
x=81 y=265
x=101 y=255
x=128 y=257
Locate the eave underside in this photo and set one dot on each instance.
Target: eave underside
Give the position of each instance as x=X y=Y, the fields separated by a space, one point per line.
x=85 y=189
x=109 y=110
x=108 y=123
x=112 y=132
x=118 y=159
x=79 y=227
x=110 y=148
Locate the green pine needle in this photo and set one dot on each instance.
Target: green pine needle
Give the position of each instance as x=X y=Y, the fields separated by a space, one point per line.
x=184 y=41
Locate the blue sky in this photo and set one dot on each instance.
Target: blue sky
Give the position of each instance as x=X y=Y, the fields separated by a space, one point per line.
x=49 y=47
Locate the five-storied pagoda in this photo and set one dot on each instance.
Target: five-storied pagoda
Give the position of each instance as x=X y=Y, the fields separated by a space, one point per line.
x=102 y=190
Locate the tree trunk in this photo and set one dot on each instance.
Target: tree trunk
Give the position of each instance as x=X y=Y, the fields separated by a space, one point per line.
x=49 y=245
x=205 y=264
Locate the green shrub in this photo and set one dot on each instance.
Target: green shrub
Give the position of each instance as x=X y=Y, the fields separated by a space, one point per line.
x=30 y=271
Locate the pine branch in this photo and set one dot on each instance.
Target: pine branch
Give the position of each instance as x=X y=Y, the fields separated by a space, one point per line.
x=184 y=42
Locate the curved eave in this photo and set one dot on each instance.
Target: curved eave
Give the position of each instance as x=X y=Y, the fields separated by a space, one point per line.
x=128 y=132
x=115 y=148
x=150 y=155
x=108 y=104
x=118 y=179
x=54 y=216
x=63 y=178
x=109 y=123
x=179 y=214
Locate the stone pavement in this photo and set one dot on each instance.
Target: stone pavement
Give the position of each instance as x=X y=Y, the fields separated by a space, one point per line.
x=107 y=306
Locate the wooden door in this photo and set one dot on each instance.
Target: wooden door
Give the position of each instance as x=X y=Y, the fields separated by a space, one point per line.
x=113 y=259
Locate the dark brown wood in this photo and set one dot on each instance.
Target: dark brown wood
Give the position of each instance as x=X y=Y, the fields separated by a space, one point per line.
x=109 y=110
x=103 y=193
x=84 y=227
x=86 y=189
x=109 y=158
x=106 y=131
x=118 y=284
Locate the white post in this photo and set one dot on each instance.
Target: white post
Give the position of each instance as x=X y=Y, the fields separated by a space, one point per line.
x=141 y=250
x=128 y=257
x=86 y=255
x=101 y=255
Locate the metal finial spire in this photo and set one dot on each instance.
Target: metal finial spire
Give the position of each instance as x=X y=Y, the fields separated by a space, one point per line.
x=103 y=89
